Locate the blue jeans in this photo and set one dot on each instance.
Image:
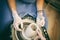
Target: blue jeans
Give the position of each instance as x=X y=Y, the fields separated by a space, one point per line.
x=26 y=9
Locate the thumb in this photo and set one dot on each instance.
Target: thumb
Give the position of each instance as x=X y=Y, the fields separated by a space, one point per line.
x=16 y=26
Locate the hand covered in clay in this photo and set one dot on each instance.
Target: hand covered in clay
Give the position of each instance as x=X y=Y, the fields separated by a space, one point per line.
x=40 y=19
x=17 y=21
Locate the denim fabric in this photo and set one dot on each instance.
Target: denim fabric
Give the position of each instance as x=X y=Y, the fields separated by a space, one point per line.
x=26 y=9
x=29 y=1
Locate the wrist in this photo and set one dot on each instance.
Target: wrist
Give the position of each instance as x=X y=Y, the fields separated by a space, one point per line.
x=14 y=13
x=39 y=10
x=40 y=13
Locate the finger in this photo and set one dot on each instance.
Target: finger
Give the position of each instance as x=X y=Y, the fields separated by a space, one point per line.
x=36 y=38
x=42 y=23
x=16 y=26
x=41 y=36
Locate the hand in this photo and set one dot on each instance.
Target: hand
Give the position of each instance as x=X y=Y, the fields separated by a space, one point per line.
x=40 y=19
x=17 y=21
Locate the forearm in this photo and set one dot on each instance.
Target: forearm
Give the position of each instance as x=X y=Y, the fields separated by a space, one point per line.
x=12 y=6
x=40 y=4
